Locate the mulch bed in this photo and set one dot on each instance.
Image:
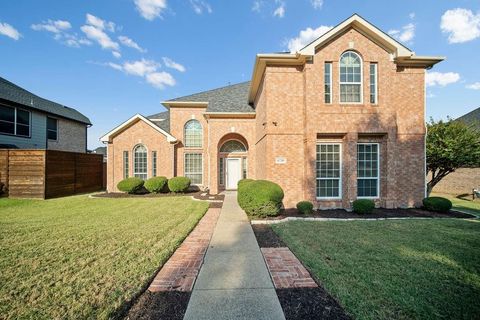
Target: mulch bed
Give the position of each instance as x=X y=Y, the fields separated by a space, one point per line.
x=309 y=303
x=266 y=238
x=199 y=195
x=377 y=213
x=170 y=305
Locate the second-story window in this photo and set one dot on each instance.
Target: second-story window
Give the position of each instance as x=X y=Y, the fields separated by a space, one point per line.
x=328 y=82
x=373 y=83
x=14 y=121
x=193 y=134
x=350 y=78
x=52 y=128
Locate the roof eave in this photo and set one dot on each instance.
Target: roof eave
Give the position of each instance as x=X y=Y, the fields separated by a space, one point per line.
x=185 y=104
x=418 y=61
x=241 y=115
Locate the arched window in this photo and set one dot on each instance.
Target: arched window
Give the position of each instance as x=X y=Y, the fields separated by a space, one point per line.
x=140 y=162
x=350 y=78
x=193 y=134
x=233 y=146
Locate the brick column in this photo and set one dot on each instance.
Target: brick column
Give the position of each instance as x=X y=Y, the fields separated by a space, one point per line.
x=349 y=174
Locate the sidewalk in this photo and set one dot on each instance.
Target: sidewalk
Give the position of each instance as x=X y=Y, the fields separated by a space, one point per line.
x=234 y=282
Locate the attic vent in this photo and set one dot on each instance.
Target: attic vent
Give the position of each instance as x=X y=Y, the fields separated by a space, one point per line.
x=31 y=102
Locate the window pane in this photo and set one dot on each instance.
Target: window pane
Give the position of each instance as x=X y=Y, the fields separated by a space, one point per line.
x=221 y=171
x=125 y=164
x=193 y=134
x=51 y=124
x=373 y=83
x=367 y=169
x=193 y=167
x=244 y=168
x=328 y=170
x=328 y=82
x=350 y=77
x=7 y=127
x=23 y=117
x=233 y=146
x=154 y=163
x=7 y=114
x=140 y=162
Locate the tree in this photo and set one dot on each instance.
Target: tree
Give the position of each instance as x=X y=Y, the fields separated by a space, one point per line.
x=450 y=145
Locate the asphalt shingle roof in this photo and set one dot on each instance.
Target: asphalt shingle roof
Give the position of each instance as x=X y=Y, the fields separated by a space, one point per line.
x=11 y=92
x=472 y=118
x=164 y=124
x=232 y=98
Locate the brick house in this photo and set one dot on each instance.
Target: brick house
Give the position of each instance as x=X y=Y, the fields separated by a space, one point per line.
x=341 y=119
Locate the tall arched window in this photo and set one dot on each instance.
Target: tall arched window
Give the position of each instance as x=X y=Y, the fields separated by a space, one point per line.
x=193 y=134
x=140 y=162
x=350 y=78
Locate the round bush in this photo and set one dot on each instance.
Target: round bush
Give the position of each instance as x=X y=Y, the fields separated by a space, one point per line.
x=178 y=184
x=305 y=207
x=260 y=198
x=363 y=206
x=156 y=184
x=438 y=204
x=130 y=185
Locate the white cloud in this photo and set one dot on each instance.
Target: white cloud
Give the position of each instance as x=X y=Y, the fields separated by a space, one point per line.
x=56 y=26
x=257 y=5
x=442 y=79
x=116 y=54
x=141 y=67
x=406 y=34
x=126 y=41
x=150 y=9
x=100 y=37
x=411 y=15
x=169 y=63
x=462 y=25
x=280 y=10
x=9 y=31
x=100 y=23
x=474 y=86
x=160 y=79
x=317 y=4
x=305 y=37
x=115 y=66
x=199 y=6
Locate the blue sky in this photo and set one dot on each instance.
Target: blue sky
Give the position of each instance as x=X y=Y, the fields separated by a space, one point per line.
x=111 y=59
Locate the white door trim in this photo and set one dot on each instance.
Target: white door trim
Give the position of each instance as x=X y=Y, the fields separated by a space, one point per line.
x=233 y=175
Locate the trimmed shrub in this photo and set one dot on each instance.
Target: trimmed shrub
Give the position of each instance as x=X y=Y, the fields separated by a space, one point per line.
x=130 y=185
x=260 y=198
x=156 y=184
x=363 y=206
x=243 y=182
x=178 y=184
x=305 y=207
x=438 y=204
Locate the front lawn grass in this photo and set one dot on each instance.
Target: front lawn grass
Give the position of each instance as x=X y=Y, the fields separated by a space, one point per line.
x=79 y=257
x=423 y=269
x=463 y=203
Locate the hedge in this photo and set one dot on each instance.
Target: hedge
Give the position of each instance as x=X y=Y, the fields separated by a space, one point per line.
x=305 y=207
x=156 y=184
x=178 y=184
x=438 y=204
x=130 y=185
x=363 y=206
x=260 y=198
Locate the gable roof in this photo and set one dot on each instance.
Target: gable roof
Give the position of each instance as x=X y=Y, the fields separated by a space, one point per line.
x=11 y=92
x=162 y=120
x=471 y=118
x=228 y=99
x=138 y=117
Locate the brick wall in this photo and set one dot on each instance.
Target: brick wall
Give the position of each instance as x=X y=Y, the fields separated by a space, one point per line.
x=72 y=136
x=461 y=181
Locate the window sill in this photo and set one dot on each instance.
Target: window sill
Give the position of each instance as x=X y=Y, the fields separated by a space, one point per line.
x=328 y=199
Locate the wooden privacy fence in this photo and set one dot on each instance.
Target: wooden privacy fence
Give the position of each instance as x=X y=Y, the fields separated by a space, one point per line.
x=49 y=174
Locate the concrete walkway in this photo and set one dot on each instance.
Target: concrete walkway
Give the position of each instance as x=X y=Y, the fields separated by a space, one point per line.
x=234 y=282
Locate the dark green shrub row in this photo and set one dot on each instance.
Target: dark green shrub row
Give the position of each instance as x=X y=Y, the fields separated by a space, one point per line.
x=154 y=185
x=438 y=204
x=259 y=198
x=363 y=206
x=305 y=207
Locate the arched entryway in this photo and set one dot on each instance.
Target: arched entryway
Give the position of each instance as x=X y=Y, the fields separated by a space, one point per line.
x=232 y=161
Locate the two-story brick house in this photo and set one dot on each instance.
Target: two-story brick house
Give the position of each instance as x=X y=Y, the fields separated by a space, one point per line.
x=341 y=119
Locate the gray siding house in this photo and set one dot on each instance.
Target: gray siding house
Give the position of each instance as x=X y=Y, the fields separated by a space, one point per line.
x=28 y=121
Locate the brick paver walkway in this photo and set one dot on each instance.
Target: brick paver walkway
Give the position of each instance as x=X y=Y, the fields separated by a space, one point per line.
x=181 y=270
x=286 y=270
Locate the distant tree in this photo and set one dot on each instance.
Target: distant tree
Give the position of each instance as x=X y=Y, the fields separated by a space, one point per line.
x=450 y=145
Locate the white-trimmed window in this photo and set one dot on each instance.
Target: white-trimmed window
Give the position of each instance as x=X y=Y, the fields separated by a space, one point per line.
x=350 y=78
x=193 y=134
x=194 y=167
x=328 y=171
x=140 y=162
x=328 y=82
x=126 y=166
x=221 y=169
x=154 y=163
x=373 y=83
x=368 y=170
x=14 y=121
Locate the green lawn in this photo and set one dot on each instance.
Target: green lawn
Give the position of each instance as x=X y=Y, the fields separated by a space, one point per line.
x=464 y=203
x=423 y=269
x=79 y=257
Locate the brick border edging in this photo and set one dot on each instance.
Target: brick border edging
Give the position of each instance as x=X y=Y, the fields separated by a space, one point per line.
x=182 y=268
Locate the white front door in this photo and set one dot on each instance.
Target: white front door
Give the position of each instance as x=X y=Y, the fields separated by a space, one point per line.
x=233 y=172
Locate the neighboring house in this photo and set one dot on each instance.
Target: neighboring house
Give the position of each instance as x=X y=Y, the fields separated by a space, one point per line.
x=102 y=151
x=28 y=121
x=341 y=119
x=463 y=180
